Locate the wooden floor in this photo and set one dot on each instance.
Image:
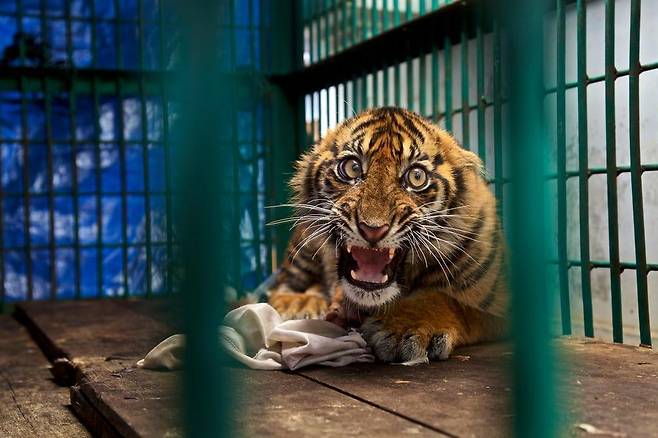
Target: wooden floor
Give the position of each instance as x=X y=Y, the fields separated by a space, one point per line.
x=92 y=346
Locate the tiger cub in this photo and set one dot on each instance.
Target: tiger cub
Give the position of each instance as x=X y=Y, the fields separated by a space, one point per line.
x=394 y=215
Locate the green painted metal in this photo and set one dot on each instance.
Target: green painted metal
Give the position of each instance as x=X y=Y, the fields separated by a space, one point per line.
x=611 y=173
x=636 y=174
x=563 y=269
x=533 y=362
x=583 y=187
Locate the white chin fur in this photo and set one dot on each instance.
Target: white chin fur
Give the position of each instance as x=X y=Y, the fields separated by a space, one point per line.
x=367 y=298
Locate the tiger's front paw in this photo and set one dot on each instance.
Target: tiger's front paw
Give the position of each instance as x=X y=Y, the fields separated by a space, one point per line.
x=401 y=341
x=295 y=305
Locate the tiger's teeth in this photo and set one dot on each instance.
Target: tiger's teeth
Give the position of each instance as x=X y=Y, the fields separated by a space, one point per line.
x=353 y=274
x=384 y=279
x=349 y=249
x=391 y=253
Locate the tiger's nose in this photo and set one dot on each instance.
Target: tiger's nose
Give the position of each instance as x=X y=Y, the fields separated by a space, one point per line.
x=373 y=234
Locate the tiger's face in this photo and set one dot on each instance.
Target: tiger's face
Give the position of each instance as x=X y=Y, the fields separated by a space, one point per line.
x=383 y=191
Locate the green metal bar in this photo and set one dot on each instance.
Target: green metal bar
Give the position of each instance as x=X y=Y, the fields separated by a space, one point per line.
x=145 y=157
x=396 y=13
x=481 y=98
x=498 y=115
x=636 y=174
x=162 y=87
x=447 y=53
x=375 y=88
x=435 y=81
x=386 y=97
x=364 y=21
x=583 y=189
x=611 y=163
x=99 y=202
x=374 y=18
x=26 y=160
x=398 y=84
x=535 y=408
x=254 y=148
x=355 y=23
x=235 y=158
x=325 y=17
x=74 y=152
x=208 y=110
x=344 y=24
x=363 y=92
x=422 y=100
x=410 y=82
x=563 y=273
x=466 y=134
x=408 y=13
x=386 y=18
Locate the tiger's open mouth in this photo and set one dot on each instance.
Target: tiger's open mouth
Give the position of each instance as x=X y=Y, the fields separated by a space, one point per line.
x=369 y=268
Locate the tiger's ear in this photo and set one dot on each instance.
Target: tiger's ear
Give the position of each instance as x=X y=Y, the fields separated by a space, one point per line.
x=470 y=160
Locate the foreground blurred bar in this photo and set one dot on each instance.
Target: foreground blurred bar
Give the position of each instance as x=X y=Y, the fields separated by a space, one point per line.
x=206 y=95
x=534 y=390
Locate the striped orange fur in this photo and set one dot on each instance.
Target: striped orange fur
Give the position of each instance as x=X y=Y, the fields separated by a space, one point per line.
x=397 y=217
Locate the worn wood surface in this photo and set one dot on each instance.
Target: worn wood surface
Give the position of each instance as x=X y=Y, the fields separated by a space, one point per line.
x=610 y=388
x=31 y=404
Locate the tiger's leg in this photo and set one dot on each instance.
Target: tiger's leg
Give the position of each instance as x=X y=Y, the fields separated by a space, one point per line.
x=298 y=291
x=428 y=322
x=310 y=304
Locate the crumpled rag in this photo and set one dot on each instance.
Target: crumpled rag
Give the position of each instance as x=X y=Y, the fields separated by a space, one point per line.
x=256 y=336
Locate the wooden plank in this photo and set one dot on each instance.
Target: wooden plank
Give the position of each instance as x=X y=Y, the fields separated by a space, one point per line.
x=610 y=387
x=31 y=404
x=465 y=396
x=103 y=340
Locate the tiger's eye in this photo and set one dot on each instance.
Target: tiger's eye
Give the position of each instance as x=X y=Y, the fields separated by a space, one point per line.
x=416 y=178
x=350 y=169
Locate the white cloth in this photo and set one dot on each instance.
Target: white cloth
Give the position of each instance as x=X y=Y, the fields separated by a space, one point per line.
x=256 y=336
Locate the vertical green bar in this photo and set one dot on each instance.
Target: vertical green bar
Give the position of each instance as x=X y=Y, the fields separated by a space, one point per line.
x=408 y=12
x=386 y=98
x=344 y=25
x=234 y=187
x=204 y=218
x=435 y=81
x=145 y=157
x=98 y=188
x=447 y=52
x=375 y=18
x=25 y=147
x=481 y=99
x=583 y=168
x=169 y=262
x=410 y=82
x=422 y=100
x=396 y=13
x=355 y=23
x=363 y=91
x=611 y=172
x=386 y=17
x=533 y=360
x=326 y=10
x=74 y=153
x=636 y=174
x=498 y=115
x=364 y=21
x=47 y=103
x=466 y=134
x=258 y=239
x=375 y=88
x=563 y=265
x=398 y=84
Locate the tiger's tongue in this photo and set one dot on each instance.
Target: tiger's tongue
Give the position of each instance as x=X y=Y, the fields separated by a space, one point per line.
x=371 y=263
